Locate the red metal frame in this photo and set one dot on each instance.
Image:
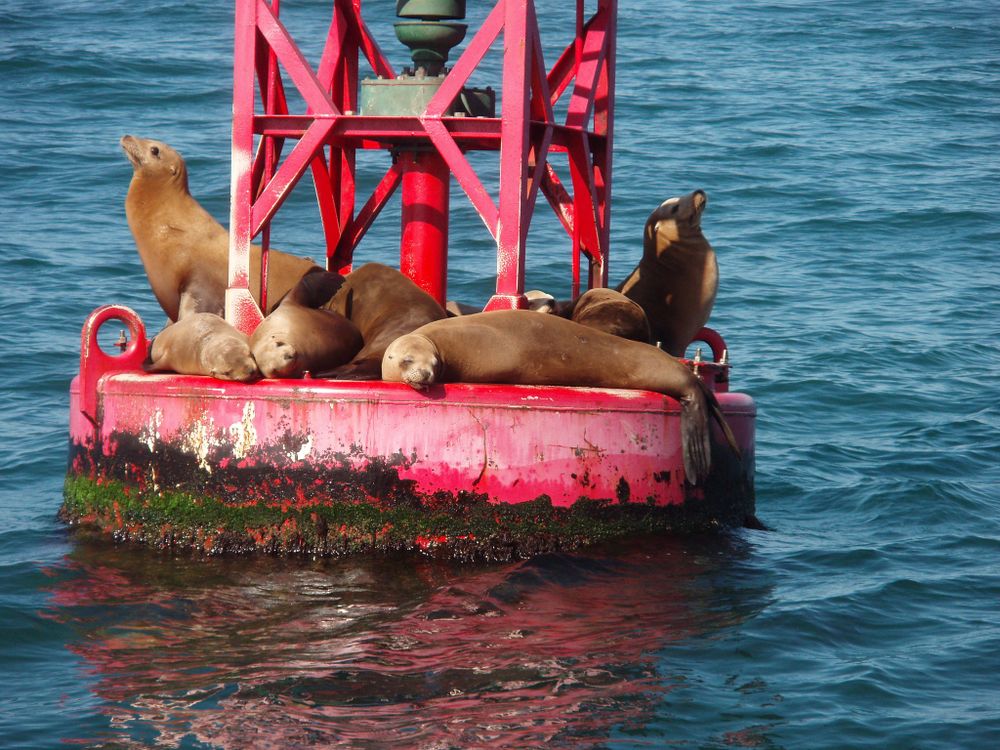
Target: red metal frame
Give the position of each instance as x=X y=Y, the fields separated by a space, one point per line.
x=432 y=145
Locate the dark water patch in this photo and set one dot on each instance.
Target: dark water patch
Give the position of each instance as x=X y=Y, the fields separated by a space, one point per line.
x=477 y=674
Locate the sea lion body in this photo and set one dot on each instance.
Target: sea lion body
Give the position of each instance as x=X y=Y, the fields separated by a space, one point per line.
x=524 y=348
x=384 y=304
x=184 y=250
x=611 y=312
x=298 y=336
x=202 y=344
x=678 y=277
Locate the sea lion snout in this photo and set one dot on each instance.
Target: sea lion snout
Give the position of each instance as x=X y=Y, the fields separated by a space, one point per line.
x=241 y=371
x=232 y=360
x=130 y=146
x=150 y=158
x=416 y=372
x=417 y=377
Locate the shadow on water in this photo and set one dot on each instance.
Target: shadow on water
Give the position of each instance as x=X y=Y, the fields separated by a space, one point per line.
x=559 y=650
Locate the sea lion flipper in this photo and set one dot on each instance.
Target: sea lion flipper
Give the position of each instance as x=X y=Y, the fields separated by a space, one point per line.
x=315 y=288
x=695 y=436
x=200 y=295
x=718 y=416
x=368 y=368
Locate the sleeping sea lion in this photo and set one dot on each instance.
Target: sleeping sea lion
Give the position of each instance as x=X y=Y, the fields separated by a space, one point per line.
x=297 y=336
x=202 y=344
x=184 y=250
x=611 y=312
x=523 y=348
x=384 y=304
x=677 y=278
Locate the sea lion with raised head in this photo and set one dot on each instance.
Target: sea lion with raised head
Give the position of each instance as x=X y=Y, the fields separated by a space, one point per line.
x=384 y=304
x=202 y=344
x=523 y=348
x=297 y=336
x=184 y=250
x=677 y=278
x=611 y=312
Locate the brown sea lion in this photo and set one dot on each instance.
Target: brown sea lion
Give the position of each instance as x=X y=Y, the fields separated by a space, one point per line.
x=184 y=250
x=384 y=304
x=523 y=348
x=202 y=344
x=297 y=336
x=678 y=276
x=611 y=312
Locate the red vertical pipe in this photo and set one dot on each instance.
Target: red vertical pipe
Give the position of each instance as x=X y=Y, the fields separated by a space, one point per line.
x=423 y=248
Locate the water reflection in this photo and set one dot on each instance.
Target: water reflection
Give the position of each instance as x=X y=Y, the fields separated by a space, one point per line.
x=559 y=650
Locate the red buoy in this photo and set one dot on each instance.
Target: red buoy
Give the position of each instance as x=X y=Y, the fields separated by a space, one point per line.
x=326 y=466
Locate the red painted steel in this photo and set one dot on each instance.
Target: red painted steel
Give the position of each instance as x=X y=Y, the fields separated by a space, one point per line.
x=423 y=252
x=95 y=363
x=512 y=443
x=330 y=131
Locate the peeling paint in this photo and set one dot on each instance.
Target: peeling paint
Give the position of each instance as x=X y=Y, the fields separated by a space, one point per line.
x=243 y=435
x=199 y=440
x=303 y=452
x=149 y=434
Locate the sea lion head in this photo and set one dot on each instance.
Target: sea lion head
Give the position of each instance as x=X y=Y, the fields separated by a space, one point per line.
x=675 y=219
x=154 y=161
x=412 y=359
x=230 y=359
x=540 y=301
x=276 y=358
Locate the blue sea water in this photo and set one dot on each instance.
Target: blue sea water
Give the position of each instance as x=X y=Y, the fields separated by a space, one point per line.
x=851 y=154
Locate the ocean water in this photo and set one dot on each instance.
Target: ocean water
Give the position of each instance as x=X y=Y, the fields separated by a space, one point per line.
x=851 y=154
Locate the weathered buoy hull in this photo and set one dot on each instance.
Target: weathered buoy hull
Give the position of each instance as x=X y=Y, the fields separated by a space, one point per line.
x=327 y=466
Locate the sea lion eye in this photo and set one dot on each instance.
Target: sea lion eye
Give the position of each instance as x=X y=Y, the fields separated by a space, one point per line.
x=155 y=151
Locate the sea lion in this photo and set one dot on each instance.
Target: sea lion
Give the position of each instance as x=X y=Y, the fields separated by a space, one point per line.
x=297 y=336
x=384 y=304
x=540 y=301
x=678 y=276
x=611 y=312
x=523 y=348
x=184 y=250
x=202 y=344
